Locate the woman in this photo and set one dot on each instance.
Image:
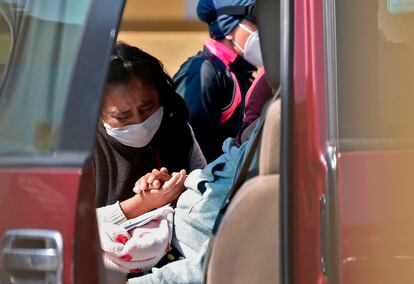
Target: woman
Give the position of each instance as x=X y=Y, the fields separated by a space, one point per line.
x=143 y=125
x=214 y=82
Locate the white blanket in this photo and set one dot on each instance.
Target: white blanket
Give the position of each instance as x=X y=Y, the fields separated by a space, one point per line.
x=139 y=249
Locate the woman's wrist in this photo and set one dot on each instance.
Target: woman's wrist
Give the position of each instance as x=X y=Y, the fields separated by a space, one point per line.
x=135 y=206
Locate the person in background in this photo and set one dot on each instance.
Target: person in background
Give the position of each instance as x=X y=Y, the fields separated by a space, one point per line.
x=214 y=81
x=143 y=125
x=257 y=96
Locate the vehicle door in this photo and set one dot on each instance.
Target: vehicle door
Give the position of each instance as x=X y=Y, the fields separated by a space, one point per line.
x=349 y=145
x=53 y=60
x=371 y=51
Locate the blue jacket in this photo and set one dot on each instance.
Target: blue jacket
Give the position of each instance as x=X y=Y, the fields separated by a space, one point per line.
x=207 y=86
x=196 y=212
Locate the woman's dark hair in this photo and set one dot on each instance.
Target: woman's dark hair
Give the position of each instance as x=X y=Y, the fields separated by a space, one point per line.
x=129 y=62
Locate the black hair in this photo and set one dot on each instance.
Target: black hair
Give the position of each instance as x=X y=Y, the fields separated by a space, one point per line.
x=130 y=62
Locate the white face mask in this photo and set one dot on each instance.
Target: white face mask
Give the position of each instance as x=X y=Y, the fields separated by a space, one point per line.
x=137 y=135
x=252 y=52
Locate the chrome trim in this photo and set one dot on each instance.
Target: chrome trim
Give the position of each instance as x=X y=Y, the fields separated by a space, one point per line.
x=329 y=226
x=331 y=72
x=30 y=259
x=286 y=139
x=47 y=259
x=329 y=233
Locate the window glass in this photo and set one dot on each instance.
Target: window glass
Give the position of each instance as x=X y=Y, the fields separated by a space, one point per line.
x=375 y=68
x=5 y=45
x=44 y=44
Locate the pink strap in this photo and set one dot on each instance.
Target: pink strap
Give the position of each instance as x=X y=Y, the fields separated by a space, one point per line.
x=226 y=55
x=220 y=50
x=237 y=97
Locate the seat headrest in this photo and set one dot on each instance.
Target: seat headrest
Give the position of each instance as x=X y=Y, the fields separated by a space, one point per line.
x=270 y=142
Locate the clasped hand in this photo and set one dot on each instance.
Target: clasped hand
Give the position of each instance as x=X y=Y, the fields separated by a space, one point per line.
x=160 y=186
x=154 y=190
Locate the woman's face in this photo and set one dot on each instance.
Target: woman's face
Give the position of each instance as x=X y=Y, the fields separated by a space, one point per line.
x=240 y=35
x=129 y=104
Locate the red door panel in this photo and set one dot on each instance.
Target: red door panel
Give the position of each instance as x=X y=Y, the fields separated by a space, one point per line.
x=376 y=217
x=45 y=199
x=309 y=134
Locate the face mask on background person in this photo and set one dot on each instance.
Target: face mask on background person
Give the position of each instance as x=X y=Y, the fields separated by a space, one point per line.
x=251 y=51
x=137 y=135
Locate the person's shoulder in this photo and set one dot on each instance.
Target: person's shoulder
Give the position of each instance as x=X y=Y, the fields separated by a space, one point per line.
x=212 y=68
x=192 y=62
x=199 y=73
x=201 y=62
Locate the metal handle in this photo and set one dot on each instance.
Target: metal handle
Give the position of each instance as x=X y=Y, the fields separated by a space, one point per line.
x=33 y=253
x=31 y=259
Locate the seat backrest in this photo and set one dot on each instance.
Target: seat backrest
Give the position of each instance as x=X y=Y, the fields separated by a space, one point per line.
x=246 y=247
x=270 y=144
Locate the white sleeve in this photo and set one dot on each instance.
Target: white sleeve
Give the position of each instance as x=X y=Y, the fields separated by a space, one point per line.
x=197 y=160
x=111 y=214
